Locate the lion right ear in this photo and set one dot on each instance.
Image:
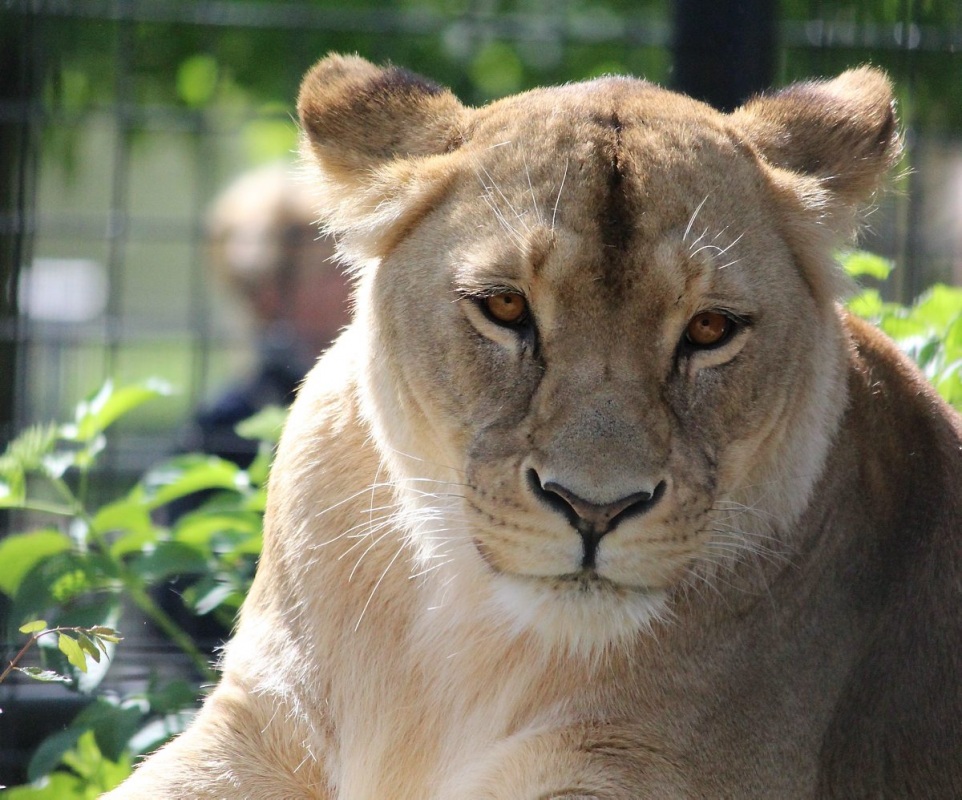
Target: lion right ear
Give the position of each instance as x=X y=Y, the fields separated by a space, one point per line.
x=370 y=130
x=841 y=133
x=831 y=144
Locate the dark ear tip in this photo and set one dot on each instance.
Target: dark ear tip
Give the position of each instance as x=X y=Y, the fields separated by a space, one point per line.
x=396 y=81
x=844 y=130
x=356 y=115
x=889 y=135
x=336 y=76
x=328 y=78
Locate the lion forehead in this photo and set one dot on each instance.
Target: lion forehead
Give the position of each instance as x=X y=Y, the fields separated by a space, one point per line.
x=619 y=176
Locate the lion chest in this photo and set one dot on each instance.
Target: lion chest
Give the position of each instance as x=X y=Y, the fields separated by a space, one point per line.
x=440 y=708
x=418 y=736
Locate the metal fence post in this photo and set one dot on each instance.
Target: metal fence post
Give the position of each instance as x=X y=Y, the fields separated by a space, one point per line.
x=724 y=52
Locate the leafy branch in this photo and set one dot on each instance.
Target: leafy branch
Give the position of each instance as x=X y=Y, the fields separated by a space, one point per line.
x=75 y=642
x=46 y=453
x=75 y=562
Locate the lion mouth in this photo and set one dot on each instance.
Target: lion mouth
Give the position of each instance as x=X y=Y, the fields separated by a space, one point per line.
x=590 y=582
x=584 y=581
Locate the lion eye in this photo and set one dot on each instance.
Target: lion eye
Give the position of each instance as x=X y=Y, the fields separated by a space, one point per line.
x=507 y=308
x=708 y=329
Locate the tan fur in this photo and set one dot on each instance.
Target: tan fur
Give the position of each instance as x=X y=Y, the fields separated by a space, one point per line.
x=779 y=620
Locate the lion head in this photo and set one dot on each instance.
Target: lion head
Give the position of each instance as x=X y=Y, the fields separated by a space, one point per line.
x=602 y=360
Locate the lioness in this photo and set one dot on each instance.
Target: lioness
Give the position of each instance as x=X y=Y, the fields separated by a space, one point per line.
x=601 y=494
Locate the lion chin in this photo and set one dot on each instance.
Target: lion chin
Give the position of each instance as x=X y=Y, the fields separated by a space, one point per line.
x=583 y=613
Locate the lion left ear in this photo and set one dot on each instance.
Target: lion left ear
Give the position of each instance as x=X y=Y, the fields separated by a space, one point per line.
x=370 y=132
x=842 y=132
x=358 y=116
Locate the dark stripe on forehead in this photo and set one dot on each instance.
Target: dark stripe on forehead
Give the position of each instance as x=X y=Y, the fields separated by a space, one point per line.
x=617 y=225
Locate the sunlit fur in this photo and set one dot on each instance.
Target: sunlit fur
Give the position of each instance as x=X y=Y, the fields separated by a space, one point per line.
x=436 y=613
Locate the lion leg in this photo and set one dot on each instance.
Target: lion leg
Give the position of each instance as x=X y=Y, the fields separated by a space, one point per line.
x=573 y=763
x=242 y=746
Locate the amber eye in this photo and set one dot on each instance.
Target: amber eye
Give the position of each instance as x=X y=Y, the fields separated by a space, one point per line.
x=507 y=308
x=708 y=329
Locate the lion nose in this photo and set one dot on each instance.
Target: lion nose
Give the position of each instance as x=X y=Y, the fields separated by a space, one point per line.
x=593 y=520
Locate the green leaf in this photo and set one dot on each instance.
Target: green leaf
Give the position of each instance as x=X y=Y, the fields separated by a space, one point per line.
x=867 y=304
x=172 y=697
x=135 y=542
x=264 y=426
x=904 y=328
x=88 y=647
x=497 y=69
x=205 y=597
x=59 y=786
x=70 y=584
x=949 y=384
x=197 y=80
x=861 y=264
x=938 y=307
x=86 y=612
x=257 y=501
x=72 y=650
x=48 y=755
x=167 y=560
x=158 y=731
x=21 y=552
x=77 y=589
x=56 y=464
x=129 y=517
x=44 y=675
x=34 y=627
x=267 y=139
x=260 y=468
x=112 y=725
x=11 y=494
x=953 y=339
x=251 y=546
x=201 y=527
x=106 y=633
x=126 y=514
x=26 y=452
x=188 y=475
x=95 y=415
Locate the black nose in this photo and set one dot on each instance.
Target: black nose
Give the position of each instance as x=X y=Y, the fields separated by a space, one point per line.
x=593 y=520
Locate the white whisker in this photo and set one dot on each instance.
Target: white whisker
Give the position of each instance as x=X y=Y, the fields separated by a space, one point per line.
x=719 y=251
x=557 y=200
x=377 y=585
x=501 y=194
x=377 y=540
x=691 y=221
x=534 y=198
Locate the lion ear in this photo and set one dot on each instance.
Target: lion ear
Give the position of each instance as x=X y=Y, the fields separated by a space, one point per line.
x=357 y=115
x=842 y=132
x=369 y=131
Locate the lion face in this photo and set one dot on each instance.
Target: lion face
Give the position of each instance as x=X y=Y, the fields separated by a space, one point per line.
x=602 y=359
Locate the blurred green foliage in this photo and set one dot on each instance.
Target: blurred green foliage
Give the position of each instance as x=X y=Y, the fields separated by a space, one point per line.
x=929 y=330
x=253 y=58
x=77 y=562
